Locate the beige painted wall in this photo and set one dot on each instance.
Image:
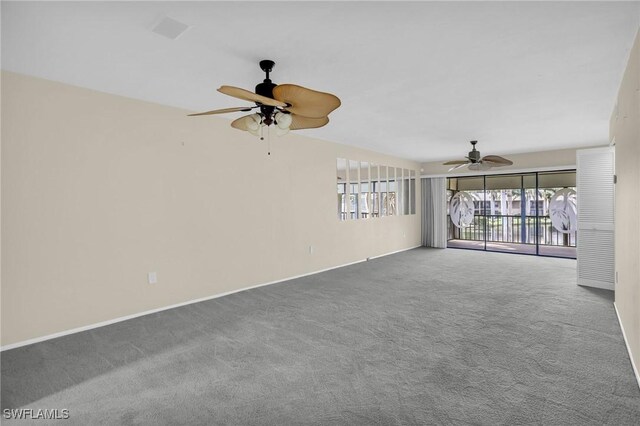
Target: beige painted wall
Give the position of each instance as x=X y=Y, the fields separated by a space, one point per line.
x=625 y=129
x=532 y=160
x=98 y=190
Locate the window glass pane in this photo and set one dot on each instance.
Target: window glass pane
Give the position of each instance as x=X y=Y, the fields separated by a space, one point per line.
x=532 y=203
x=365 y=194
x=504 y=182
x=375 y=190
x=470 y=183
x=557 y=213
x=400 y=192
x=341 y=169
x=466 y=227
x=354 y=189
x=393 y=210
x=384 y=199
x=530 y=181
x=503 y=197
x=405 y=190
x=511 y=213
x=557 y=179
x=412 y=191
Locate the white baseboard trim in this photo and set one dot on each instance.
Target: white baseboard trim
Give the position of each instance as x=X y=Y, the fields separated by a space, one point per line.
x=177 y=305
x=390 y=253
x=626 y=342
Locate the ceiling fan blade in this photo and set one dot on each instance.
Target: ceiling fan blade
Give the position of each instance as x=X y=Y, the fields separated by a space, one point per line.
x=239 y=93
x=458 y=166
x=299 y=122
x=222 y=111
x=451 y=163
x=497 y=161
x=306 y=102
x=492 y=164
x=479 y=166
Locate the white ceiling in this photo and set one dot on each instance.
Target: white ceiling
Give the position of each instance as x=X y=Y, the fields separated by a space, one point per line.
x=417 y=79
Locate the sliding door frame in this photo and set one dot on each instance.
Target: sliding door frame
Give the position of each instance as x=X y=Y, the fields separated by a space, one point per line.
x=537 y=215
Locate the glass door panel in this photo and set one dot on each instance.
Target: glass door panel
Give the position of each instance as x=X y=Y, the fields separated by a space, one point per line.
x=557 y=222
x=466 y=213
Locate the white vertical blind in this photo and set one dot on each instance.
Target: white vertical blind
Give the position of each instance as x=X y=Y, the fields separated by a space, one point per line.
x=595 y=188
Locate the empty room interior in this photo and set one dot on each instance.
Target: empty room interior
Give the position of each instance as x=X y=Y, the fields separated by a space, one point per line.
x=282 y=213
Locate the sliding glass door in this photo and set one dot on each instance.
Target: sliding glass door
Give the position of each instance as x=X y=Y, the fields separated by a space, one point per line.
x=526 y=213
x=558 y=214
x=466 y=212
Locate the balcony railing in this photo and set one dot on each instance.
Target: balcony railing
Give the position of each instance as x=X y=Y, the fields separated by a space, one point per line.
x=510 y=229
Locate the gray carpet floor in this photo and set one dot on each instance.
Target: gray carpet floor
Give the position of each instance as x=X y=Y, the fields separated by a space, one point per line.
x=421 y=337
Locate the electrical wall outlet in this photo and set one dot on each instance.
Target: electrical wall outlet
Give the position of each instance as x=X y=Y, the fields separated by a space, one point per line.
x=152 y=277
x=310 y=249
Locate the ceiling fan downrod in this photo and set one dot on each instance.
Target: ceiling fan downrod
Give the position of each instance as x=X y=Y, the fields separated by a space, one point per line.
x=266 y=89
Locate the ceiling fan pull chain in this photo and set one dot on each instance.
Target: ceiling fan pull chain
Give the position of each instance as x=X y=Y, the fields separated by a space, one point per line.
x=268 y=141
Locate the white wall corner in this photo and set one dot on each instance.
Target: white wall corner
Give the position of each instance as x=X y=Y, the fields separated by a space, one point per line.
x=626 y=342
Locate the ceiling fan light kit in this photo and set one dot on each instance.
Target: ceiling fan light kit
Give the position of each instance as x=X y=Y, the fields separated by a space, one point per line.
x=285 y=107
x=477 y=163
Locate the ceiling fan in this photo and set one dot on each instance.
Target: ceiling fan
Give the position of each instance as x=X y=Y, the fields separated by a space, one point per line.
x=286 y=106
x=475 y=162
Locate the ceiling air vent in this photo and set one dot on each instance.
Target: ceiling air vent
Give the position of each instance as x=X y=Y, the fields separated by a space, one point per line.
x=170 y=28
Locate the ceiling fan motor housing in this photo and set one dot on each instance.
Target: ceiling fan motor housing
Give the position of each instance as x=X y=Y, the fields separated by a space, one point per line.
x=265 y=88
x=474 y=155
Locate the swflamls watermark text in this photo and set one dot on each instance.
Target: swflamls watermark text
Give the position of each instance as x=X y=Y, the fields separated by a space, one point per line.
x=35 y=414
